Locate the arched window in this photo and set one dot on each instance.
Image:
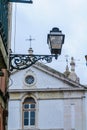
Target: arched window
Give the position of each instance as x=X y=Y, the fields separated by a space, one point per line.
x=29 y=108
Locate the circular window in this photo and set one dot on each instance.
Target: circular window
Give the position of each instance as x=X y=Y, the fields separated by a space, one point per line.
x=29 y=79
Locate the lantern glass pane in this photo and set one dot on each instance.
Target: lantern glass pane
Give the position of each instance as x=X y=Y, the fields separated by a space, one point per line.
x=56 y=41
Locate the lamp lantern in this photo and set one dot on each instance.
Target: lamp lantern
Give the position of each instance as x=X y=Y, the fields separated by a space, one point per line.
x=55 y=39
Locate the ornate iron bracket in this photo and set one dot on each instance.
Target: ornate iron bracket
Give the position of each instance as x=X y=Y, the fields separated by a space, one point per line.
x=23 y=61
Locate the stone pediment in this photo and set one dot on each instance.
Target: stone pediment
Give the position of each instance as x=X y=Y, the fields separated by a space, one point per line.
x=40 y=76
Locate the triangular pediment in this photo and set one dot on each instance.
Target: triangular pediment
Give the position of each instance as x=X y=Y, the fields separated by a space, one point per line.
x=40 y=76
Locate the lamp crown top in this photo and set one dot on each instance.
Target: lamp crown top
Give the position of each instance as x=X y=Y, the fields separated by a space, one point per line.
x=55 y=29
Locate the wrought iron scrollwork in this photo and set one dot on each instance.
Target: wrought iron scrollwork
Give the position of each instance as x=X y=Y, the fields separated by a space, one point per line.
x=23 y=61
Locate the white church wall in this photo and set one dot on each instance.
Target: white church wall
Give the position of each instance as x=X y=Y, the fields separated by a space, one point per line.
x=48 y=81
x=16 y=80
x=73 y=114
x=58 y=110
x=14 y=115
x=50 y=115
x=43 y=80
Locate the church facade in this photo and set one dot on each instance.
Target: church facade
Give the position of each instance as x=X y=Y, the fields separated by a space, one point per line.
x=42 y=98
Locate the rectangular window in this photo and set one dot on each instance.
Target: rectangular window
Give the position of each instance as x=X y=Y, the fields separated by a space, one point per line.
x=29 y=110
x=32 y=105
x=32 y=118
x=26 y=118
x=26 y=106
x=29 y=118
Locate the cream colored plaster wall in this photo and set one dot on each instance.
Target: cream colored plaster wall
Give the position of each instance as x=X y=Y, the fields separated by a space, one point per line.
x=39 y=95
x=49 y=95
x=77 y=114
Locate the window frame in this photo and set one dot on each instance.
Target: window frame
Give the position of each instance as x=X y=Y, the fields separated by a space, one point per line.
x=29 y=110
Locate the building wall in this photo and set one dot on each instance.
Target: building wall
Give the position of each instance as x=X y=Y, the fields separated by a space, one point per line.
x=14 y=115
x=1 y=118
x=4 y=81
x=59 y=105
x=52 y=112
x=3 y=99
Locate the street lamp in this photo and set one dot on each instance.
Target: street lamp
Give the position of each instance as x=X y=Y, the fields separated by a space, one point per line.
x=55 y=39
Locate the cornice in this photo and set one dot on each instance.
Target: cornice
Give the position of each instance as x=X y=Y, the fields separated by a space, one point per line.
x=57 y=74
x=46 y=90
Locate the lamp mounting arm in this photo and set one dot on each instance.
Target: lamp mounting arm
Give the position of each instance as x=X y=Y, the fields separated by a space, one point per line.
x=23 y=61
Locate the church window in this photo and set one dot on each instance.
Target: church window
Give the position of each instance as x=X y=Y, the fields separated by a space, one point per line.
x=29 y=111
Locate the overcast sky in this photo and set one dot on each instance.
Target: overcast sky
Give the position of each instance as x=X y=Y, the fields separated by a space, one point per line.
x=39 y=18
